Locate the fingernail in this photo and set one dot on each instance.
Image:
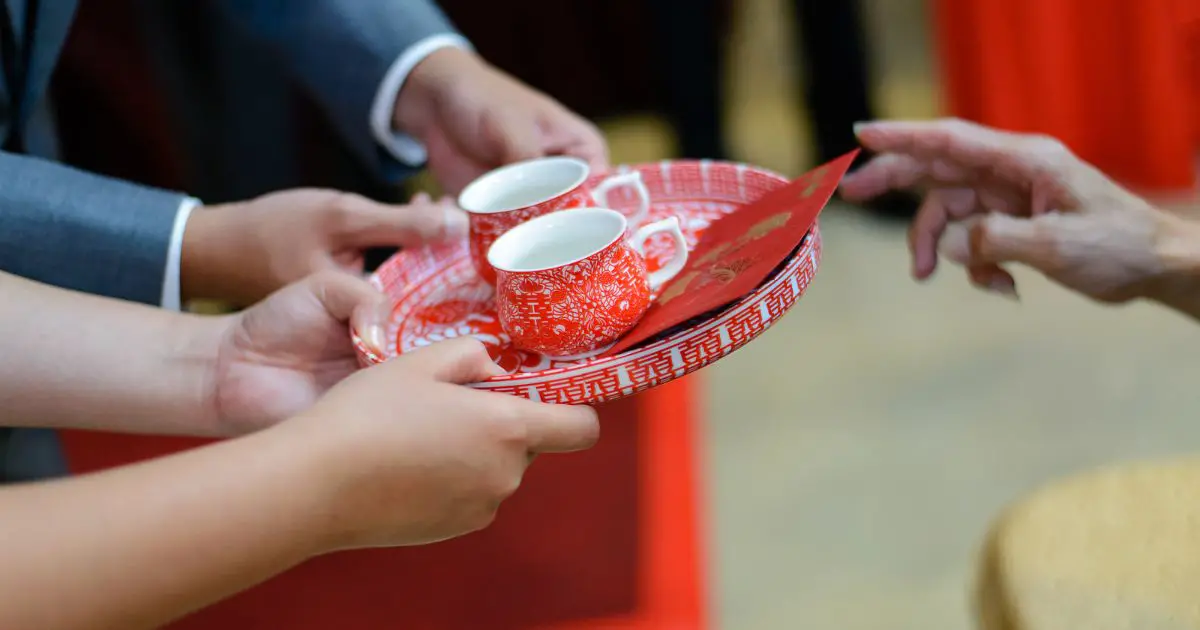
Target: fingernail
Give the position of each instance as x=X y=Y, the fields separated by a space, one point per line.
x=1003 y=287
x=859 y=127
x=374 y=336
x=496 y=370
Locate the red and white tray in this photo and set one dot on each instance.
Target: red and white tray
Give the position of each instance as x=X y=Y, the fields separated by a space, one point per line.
x=438 y=296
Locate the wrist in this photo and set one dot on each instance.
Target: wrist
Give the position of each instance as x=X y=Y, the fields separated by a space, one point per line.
x=316 y=462
x=291 y=471
x=207 y=264
x=197 y=259
x=1177 y=251
x=194 y=358
x=419 y=98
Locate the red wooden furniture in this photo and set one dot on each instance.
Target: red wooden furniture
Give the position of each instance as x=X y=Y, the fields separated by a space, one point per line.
x=1117 y=80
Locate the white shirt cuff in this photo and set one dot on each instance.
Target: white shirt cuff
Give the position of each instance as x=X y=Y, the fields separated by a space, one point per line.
x=171 y=298
x=401 y=146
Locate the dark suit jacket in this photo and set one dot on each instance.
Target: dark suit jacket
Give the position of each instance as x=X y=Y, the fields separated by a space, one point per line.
x=97 y=234
x=69 y=228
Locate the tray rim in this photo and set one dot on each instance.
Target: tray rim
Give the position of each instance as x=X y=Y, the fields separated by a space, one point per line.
x=809 y=248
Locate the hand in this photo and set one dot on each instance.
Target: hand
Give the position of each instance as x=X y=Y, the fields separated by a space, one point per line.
x=408 y=456
x=241 y=252
x=472 y=118
x=277 y=358
x=993 y=197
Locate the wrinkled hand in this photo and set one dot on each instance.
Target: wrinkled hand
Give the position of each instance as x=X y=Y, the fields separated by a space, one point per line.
x=243 y=251
x=411 y=456
x=993 y=197
x=472 y=118
x=278 y=357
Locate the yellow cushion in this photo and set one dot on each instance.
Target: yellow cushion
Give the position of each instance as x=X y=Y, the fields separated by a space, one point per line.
x=1115 y=549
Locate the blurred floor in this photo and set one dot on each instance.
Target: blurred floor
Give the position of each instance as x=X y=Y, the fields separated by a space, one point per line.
x=858 y=451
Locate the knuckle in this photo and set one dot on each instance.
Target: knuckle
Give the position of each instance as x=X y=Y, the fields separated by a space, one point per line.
x=956 y=125
x=506 y=486
x=325 y=279
x=508 y=425
x=1049 y=147
x=424 y=220
x=341 y=212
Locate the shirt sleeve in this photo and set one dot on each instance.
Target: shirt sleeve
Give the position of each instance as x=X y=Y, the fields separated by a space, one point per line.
x=171 y=291
x=401 y=146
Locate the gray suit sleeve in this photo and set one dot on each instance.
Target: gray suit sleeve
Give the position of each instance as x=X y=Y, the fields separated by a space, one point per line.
x=340 y=51
x=76 y=230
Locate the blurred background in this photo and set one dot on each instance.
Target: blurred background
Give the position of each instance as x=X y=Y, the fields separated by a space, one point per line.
x=853 y=458
x=861 y=448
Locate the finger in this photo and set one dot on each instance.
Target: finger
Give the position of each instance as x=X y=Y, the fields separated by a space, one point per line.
x=940 y=207
x=568 y=134
x=1023 y=158
x=460 y=361
x=366 y=223
x=999 y=238
x=993 y=279
x=515 y=136
x=972 y=144
x=370 y=321
x=343 y=294
x=421 y=197
x=558 y=428
x=883 y=173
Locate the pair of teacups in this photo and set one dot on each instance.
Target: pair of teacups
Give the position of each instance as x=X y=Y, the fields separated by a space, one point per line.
x=570 y=276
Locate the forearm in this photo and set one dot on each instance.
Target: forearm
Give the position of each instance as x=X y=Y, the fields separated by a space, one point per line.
x=342 y=52
x=138 y=546
x=77 y=361
x=82 y=231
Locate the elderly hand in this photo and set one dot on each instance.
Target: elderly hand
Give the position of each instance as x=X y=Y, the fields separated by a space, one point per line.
x=241 y=252
x=472 y=118
x=276 y=358
x=993 y=197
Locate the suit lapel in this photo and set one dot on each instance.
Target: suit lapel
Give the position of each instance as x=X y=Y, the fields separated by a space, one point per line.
x=53 y=23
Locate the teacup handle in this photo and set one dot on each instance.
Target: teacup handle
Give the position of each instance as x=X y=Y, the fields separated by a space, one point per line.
x=677 y=262
x=632 y=179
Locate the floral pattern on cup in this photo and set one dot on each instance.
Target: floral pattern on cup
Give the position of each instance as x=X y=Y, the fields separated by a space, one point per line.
x=580 y=306
x=495 y=202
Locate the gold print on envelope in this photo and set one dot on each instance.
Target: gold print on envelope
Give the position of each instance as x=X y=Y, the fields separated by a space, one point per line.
x=727 y=272
x=724 y=271
x=765 y=227
x=677 y=288
x=815 y=179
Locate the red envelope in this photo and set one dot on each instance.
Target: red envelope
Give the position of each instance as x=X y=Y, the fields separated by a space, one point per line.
x=739 y=251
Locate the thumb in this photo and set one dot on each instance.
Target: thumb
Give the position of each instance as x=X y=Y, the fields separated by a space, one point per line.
x=459 y=361
x=343 y=295
x=369 y=223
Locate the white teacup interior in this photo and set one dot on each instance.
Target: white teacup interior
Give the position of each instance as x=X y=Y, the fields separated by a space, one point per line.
x=557 y=239
x=522 y=184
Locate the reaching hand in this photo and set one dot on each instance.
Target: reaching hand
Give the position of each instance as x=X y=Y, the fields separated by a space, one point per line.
x=241 y=252
x=411 y=456
x=278 y=357
x=472 y=118
x=993 y=197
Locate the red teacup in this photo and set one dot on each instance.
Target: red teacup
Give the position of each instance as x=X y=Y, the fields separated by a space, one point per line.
x=569 y=284
x=506 y=197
